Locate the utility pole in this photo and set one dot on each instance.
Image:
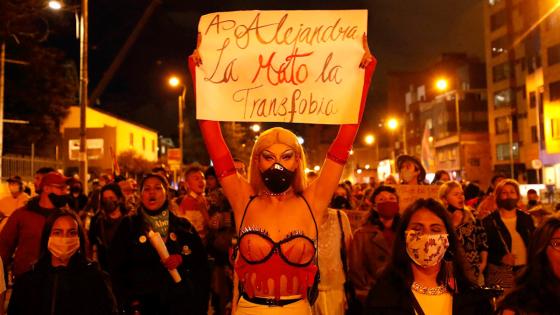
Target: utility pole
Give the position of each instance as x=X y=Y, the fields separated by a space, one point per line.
x=2 y=75
x=83 y=92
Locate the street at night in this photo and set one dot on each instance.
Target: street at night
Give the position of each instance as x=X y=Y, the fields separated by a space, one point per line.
x=263 y=157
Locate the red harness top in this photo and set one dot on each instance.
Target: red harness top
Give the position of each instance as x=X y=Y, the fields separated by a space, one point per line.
x=262 y=259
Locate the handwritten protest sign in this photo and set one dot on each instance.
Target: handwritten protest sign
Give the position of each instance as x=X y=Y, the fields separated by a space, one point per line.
x=409 y=193
x=281 y=66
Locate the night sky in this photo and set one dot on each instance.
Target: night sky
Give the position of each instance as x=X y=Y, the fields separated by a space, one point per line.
x=405 y=35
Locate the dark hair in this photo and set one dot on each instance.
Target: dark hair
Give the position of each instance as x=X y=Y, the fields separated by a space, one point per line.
x=45 y=254
x=531 y=191
x=538 y=281
x=495 y=177
x=114 y=188
x=210 y=172
x=381 y=189
x=45 y=170
x=438 y=175
x=472 y=190
x=400 y=264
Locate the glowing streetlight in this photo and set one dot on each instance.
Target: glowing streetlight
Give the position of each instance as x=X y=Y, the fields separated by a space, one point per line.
x=300 y=139
x=367 y=166
x=174 y=81
x=316 y=168
x=359 y=171
x=392 y=123
x=442 y=84
x=369 y=139
x=256 y=127
x=55 y=5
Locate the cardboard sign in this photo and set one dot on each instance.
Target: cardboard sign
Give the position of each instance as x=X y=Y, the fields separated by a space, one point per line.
x=409 y=193
x=281 y=66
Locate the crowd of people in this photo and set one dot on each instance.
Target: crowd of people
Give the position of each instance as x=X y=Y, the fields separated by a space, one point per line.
x=274 y=239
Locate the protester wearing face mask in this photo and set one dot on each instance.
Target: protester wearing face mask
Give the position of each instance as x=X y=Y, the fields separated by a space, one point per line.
x=469 y=230
x=411 y=171
x=373 y=242
x=105 y=223
x=342 y=198
x=77 y=199
x=509 y=232
x=141 y=275
x=15 y=200
x=63 y=281
x=425 y=274
x=22 y=233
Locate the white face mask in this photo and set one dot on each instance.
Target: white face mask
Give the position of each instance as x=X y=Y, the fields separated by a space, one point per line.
x=426 y=250
x=63 y=247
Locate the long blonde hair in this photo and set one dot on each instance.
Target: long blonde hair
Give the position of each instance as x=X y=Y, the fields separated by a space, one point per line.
x=265 y=140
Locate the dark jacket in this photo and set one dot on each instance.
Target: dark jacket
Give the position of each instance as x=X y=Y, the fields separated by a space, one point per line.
x=496 y=249
x=391 y=295
x=369 y=253
x=140 y=276
x=80 y=288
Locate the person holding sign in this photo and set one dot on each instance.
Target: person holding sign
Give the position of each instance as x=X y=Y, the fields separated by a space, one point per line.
x=158 y=260
x=275 y=210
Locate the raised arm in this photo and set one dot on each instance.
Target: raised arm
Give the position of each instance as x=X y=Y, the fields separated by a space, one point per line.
x=236 y=189
x=322 y=189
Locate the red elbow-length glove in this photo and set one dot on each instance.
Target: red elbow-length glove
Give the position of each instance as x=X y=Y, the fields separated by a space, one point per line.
x=340 y=148
x=213 y=139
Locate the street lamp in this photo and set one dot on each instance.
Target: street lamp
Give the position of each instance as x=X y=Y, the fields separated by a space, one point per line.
x=393 y=124
x=256 y=128
x=442 y=85
x=84 y=25
x=55 y=5
x=369 y=139
x=175 y=81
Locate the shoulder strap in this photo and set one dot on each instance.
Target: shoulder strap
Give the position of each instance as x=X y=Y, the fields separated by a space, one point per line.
x=316 y=230
x=251 y=198
x=416 y=305
x=500 y=235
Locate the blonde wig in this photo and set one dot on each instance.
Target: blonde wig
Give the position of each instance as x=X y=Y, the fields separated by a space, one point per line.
x=265 y=140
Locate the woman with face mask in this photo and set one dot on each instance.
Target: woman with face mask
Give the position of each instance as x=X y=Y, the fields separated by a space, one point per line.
x=509 y=232
x=141 y=275
x=277 y=214
x=469 y=230
x=63 y=281
x=425 y=274
x=373 y=242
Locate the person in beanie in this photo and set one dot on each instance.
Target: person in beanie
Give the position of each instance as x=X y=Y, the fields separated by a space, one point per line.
x=143 y=277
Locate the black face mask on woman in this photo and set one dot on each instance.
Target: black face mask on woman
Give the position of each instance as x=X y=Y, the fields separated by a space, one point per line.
x=277 y=178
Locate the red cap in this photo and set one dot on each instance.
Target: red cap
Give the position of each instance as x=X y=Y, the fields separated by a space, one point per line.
x=54 y=179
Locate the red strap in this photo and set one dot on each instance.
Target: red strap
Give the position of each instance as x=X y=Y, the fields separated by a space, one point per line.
x=213 y=139
x=340 y=148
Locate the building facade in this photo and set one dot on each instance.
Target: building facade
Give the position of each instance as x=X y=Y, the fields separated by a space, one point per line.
x=105 y=132
x=522 y=40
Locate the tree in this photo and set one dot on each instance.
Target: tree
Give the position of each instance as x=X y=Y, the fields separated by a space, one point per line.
x=133 y=165
x=40 y=92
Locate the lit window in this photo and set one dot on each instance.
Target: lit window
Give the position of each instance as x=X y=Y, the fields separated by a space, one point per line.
x=131 y=139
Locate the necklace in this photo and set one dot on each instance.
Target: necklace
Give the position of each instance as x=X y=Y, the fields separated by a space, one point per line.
x=422 y=289
x=271 y=194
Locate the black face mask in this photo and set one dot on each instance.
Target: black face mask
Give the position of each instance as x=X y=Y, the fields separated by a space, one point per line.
x=58 y=201
x=277 y=178
x=75 y=190
x=109 y=206
x=508 y=204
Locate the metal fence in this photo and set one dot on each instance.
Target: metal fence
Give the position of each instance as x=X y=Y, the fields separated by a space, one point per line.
x=26 y=166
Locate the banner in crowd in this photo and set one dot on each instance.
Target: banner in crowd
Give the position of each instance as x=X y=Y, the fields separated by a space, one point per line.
x=281 y=66
x=356 y=218
x=409 y=193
